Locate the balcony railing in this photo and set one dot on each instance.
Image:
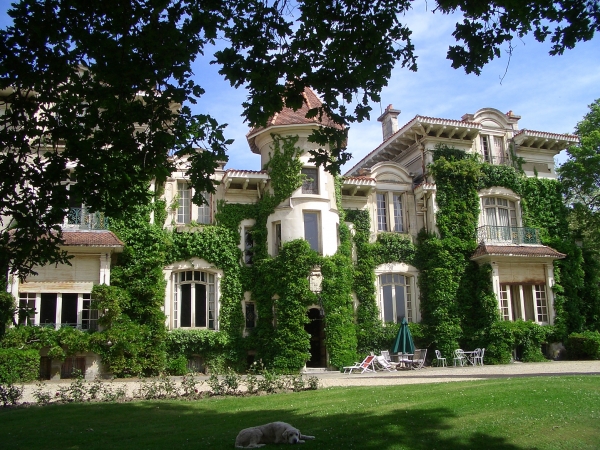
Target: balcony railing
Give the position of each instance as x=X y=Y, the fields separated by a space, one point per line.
x=81 y=219
x=500 y=160
x=508 y=235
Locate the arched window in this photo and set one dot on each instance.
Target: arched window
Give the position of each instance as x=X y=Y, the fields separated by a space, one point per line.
x=499 y=212
x=194 y=300
x=396 y=297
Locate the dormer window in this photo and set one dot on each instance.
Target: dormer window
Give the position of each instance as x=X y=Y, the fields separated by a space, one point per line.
x=310 y=184
x=492 y=149
x=390 y=219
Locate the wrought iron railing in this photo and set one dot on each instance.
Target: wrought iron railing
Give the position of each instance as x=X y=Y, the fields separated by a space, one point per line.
x=81 y=219
x=508 y=235
x=500 y=160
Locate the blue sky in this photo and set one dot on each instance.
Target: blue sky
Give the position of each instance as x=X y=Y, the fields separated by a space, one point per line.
x=550 y=93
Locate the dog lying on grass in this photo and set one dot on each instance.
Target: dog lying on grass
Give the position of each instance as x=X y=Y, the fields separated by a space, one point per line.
x=271 y=433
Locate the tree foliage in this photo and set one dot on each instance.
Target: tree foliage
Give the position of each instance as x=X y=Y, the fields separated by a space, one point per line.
x=100 y=92
x=580 y=177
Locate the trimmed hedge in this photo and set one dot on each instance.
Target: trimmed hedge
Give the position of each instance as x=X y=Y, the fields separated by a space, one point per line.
x=18 y=366
x=584 y=345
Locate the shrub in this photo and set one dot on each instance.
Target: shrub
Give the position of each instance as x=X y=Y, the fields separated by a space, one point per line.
x=177 y=365
x=17 y=366
x=584 y=345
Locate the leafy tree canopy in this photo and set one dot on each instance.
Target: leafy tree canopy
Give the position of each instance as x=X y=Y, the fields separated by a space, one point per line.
x=580 y=176
x=99 y=92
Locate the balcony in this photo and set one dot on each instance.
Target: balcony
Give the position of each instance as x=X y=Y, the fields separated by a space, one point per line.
x=81 y=219
x=508 y=235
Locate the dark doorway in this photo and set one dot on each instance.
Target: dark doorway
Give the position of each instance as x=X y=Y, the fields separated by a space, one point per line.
x=316 y=329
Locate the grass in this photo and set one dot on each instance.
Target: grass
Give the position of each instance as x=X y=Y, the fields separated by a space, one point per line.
x=501 y=414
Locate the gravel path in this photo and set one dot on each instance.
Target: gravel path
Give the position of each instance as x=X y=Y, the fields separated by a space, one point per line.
x=382 y=378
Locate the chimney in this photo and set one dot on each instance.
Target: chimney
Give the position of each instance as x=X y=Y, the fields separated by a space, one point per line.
x=389 y=121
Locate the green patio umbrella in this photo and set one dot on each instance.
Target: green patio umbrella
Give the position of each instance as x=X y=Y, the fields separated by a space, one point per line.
x=404 y=341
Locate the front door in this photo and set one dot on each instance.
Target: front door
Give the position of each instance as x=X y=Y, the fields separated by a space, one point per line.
x=316 y=329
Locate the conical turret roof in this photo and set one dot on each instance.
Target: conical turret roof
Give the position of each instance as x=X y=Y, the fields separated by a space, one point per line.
x=288 y=116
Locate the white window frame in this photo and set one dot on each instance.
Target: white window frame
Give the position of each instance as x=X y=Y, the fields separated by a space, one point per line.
x=492 y=148
x=193 y=278
x=393 y=279
x=34 y=299
x=187 y=211
x=390 y=211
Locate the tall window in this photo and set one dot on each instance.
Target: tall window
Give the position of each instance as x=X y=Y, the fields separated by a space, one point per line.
x=539 y=291
x=184 y=202
x=89 y=316
x=504 y=302
x=250 y=313
x=396 y=297
x=398 y=223
x=276 y=238
x=390 y=218
x=204 y=209
x=310 y=184
x=248 y=245
x=194 y=304
x=311 y=229
x=187 y=211
x=381 y=213
x=492 y=149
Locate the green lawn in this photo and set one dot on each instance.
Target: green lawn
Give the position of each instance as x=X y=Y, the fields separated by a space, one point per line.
x=517 y=413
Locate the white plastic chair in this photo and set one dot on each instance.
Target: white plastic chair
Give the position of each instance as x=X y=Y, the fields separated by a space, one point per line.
x=439 y=359
x=459 y=356
x=384 y=363
x=478 y=358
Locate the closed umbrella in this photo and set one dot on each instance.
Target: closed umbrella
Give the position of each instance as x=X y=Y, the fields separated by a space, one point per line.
x=404 y=341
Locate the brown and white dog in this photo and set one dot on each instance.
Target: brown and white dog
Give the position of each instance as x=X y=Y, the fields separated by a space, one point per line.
x=270 y=433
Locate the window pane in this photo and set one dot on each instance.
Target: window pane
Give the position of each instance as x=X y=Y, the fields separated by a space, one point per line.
x=400 y=305
x=69 y=309
x=310 y=184
x=398 y=225
x=48 y=309
x=250 y=315
x=381 y=213
x=204 y=209
x=27 y=306
x=248 y=246
x=277 y=237
x=388 y=304
x=311 y=230
x=184 y=203
x=186 y=305
x=200 y=305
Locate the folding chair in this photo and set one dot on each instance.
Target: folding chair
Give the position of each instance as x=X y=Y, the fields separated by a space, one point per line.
x=382 y=362
x=418 y=360
x=365 y=366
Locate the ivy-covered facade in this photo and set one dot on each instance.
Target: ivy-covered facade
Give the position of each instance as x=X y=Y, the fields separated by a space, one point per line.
x=457 y=225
